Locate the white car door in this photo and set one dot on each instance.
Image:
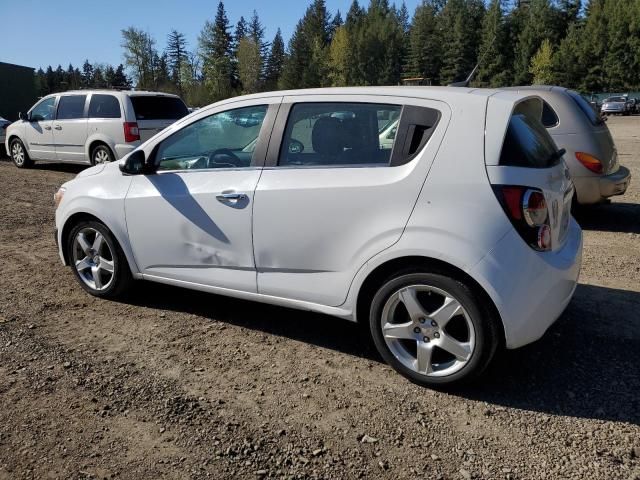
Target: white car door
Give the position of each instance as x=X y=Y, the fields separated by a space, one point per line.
x=70 y=128
x=191 y=220
x=38 y=133
x=333 y=195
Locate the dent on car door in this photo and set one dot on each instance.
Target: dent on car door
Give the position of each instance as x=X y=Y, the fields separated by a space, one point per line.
x=191 y=220
x=333 y=194
x=38 y=133
x=70 y=128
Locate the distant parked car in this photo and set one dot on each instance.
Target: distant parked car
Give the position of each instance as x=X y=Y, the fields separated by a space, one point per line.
x=4 y=123
x=615 y=105
x=449 y=241
x=90 y=126
x=591 y=154
x=633 y=105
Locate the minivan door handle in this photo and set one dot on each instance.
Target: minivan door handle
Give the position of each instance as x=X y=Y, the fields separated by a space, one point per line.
x=230 y=196
x=58 y=127
x=47 y=127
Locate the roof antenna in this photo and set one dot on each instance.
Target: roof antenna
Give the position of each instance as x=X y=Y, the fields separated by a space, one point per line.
x=465 y=83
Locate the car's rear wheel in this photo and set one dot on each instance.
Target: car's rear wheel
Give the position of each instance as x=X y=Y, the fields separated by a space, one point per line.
x=19 y=154
x=101 y=154
x=97 y=260
x=432 y=328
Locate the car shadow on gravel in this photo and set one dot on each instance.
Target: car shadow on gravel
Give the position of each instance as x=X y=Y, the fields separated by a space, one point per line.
x=585 y=366
x=60 y=167
x=612 y=217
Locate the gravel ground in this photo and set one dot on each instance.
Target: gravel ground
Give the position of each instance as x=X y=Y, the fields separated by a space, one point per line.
x=179 y=384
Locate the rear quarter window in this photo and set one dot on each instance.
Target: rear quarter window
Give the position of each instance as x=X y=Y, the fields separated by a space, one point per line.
x=528 y=144
x=549 y=117
x=149 y=107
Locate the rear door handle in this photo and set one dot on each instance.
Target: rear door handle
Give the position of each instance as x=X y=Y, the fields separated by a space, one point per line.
x=47 y=128
x=230 y=196
x=58 y=127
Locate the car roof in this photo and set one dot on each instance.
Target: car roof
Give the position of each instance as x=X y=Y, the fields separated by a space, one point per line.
x=446 y=94
x=132 y=93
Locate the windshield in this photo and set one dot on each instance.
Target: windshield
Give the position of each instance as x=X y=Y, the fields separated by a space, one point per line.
x=615 y=99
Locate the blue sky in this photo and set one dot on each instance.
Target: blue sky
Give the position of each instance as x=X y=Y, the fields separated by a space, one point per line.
x=40 y=33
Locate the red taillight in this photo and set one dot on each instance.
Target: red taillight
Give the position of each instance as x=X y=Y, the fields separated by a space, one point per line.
x=527 y=209
x=590 y=162
x=131 y=132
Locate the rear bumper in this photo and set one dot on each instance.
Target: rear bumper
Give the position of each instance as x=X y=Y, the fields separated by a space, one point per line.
x=123 y=149
x=596 y=189
x=530 y=289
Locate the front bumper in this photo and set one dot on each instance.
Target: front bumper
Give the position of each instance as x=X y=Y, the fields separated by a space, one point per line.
x=530 y=289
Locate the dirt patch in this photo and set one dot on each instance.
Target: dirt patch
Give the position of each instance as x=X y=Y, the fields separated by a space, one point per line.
x=180 y=384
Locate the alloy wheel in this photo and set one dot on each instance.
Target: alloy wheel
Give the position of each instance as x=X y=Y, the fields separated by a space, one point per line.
x=100 y=156
x=428 y=330
x=93 y=259
x=17 y=153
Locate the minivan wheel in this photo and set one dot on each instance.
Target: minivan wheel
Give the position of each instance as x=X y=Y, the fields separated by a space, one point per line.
x=19 y=154
x=101 y=154
x=97 y=260
x=432 y=329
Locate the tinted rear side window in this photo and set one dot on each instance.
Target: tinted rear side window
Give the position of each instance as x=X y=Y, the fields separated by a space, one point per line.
x=70 y=107
x=104 y=106
x=528 y=144
x=586 y=108
x=549 y=117
x=148 y=107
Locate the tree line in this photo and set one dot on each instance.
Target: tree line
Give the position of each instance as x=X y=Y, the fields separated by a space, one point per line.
x=591 y=46
x=91 y=76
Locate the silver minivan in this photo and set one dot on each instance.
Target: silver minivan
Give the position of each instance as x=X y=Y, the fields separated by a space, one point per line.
x=90 y=126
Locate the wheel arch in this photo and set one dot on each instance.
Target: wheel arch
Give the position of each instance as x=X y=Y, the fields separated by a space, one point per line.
x=77 y=217
x=415 y=263
x=99 y=141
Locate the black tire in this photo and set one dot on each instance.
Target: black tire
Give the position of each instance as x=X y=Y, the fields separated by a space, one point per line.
x=101 y=154
x=19 y=154
x=487 y=334
x=122 y=279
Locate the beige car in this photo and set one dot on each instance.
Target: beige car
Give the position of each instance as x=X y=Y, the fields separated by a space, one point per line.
x=591 y=154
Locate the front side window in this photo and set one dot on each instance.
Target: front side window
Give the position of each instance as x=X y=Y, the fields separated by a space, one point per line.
x=224 y=140
x=339 y=134
x=70 y=107
x=44 y=110
x=104 y=106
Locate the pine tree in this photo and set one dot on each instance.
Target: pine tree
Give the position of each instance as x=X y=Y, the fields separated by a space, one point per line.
x=240 y=31
x=176 y=52
x=216 y=52
x=493 y=56
x=339 y=58
x=541 y=67
x=87 y=75
x=256 y=33
x=461 y=24
x=424 y=55
x=274 y=63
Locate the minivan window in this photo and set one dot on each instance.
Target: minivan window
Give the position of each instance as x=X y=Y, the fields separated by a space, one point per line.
x=333 y=134
x=70 y=107
x=104 y=106
x=223 y=140
x=152 y=107
x=586 y=108
x=528 y=144
x=44 y=110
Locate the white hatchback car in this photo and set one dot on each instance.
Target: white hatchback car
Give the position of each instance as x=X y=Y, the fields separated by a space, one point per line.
x=90 y=126
x=449 y=242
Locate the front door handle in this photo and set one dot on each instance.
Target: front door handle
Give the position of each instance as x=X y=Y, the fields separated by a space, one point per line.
x=58 y=127
x=226 y=196
x=47 y=127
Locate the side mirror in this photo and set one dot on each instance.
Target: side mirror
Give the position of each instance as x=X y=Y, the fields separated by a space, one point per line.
x=134 y=164
x=22 y=116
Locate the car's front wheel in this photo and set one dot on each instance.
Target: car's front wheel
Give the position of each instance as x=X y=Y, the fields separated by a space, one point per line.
x=19 y=154
x=432 y=328
x=97 y=260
